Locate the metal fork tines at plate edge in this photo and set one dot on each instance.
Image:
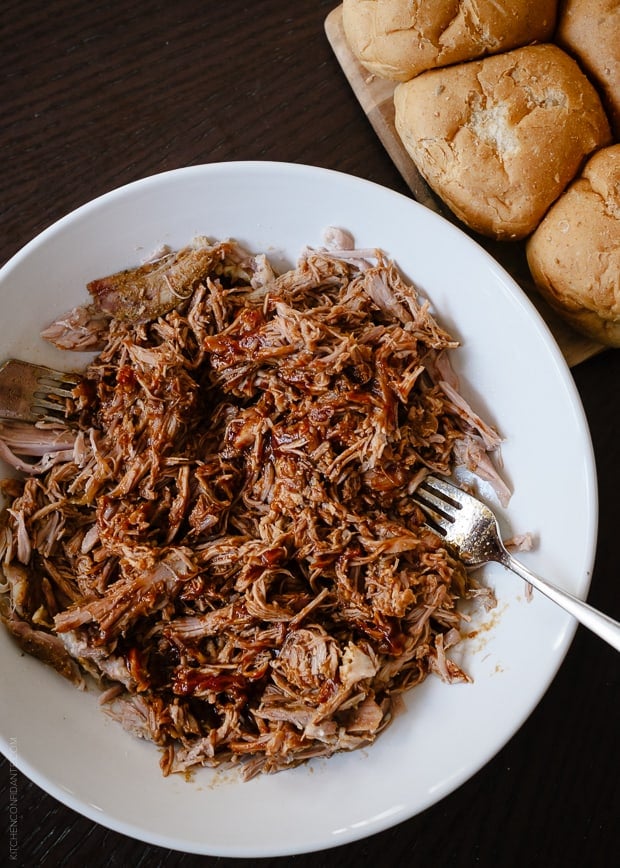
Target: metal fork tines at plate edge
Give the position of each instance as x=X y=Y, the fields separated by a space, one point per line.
x=33 y=393
x=471 y=530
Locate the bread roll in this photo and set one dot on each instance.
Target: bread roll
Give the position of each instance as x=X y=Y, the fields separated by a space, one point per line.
x=590 y=30
x=574 y=255
x=398 y=39
x=499 y=139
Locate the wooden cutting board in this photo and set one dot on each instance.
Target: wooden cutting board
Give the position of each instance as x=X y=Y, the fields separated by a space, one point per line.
x=375 y=95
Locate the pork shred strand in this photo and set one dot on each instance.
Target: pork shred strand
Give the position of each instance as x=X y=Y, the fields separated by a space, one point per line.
x=230 y=548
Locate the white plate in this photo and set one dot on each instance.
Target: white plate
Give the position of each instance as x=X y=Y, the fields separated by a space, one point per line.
x=515 y=374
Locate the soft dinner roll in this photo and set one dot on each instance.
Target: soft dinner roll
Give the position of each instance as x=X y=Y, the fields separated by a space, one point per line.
x=590 y=30
x=398 y=39
x=499 y=139
x=574 y=255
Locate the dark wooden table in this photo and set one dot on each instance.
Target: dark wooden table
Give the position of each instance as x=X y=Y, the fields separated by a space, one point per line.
x=99 y=94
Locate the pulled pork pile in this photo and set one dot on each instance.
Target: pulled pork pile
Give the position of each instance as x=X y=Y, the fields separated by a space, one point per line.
x=222 y=534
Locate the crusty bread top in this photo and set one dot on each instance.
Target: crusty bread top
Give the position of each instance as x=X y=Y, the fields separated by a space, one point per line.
x=574 y=255
x=590 y=30
x=398 y=39
x=500 y=138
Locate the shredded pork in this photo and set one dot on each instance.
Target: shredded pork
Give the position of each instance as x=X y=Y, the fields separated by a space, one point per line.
x=222 y=535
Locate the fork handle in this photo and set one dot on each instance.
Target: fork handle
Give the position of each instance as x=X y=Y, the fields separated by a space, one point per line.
x=601 y=624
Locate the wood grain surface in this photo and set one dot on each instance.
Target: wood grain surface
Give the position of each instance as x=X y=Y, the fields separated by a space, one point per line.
x=98 y=95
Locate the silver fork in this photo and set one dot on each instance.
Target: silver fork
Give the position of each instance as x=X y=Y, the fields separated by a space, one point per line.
x=34 y=393
x=471 y=530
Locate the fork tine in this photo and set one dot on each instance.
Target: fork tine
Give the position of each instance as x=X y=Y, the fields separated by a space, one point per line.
x=434 y=506
x=436 y=520
x=58 y=380
x=440 y=501
x=444 y=490
x=55 y=385
x=50 y=405
x=32 y=393
x=44 y=404
x=55 y=391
